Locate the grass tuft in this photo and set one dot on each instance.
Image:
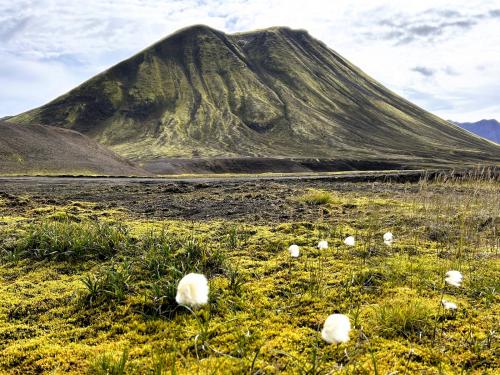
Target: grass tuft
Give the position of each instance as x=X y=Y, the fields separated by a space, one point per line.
x=109 y=364
x=71 y=241
x=317 y=197
x=411 y=319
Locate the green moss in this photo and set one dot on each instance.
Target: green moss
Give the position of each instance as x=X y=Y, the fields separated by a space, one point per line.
x=265 y=308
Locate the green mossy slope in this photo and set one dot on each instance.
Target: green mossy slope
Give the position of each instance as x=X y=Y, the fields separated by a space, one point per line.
x=270 y=93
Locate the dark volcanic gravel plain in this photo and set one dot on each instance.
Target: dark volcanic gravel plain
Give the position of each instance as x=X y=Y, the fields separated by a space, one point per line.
x=243 y=198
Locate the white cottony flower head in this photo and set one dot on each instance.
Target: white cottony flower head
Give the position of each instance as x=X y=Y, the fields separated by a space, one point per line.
x=294 y=250
x=323 y=245
x=336 y=329
x=192 y=290
x=453 y=278
x=449 y=305
x=350 y=241
x=388 y=238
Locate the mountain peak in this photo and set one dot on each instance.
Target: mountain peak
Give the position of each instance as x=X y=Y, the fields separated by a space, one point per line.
x=272 y=29
x=272 y=93
x=186 y=34
x=194 y=29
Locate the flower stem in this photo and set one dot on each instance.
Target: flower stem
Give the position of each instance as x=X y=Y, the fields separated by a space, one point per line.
x=438 y=313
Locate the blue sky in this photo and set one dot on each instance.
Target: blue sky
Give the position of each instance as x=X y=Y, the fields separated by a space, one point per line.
x=442 y=55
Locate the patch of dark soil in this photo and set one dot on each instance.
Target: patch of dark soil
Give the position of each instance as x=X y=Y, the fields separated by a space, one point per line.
x=264 y=165
x=252 y=199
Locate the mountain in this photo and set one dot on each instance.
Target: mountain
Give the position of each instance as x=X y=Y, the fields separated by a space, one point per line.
x=489 y=129
x=39 y=149
x=275 y=94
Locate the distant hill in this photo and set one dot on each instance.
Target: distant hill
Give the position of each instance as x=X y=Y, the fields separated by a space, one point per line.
x=278 y=94
x=489 y=129
x=39 y=149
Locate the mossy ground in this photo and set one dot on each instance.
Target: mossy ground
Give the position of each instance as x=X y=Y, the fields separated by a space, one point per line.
x=266 y=309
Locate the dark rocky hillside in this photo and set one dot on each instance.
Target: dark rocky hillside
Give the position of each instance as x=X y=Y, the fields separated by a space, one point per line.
x=45 y=150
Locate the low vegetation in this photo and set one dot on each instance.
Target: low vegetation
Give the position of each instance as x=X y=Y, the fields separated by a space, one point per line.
x=317 y=197
x=72 y=241
x=93 y=292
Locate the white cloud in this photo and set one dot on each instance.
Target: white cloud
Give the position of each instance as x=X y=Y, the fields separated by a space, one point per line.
x=443 y=55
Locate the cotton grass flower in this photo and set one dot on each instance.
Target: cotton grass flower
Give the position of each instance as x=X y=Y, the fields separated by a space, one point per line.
x=350 y=241
x=336 y=329
x=294 y=251
x=323 y=245
x=449 y=305
x=388 y=238
x=192 y=290
x=453 y=278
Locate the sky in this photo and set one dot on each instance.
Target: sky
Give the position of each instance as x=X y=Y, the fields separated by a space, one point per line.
x=442 y=55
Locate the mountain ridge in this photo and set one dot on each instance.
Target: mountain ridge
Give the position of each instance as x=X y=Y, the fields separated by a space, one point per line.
x=488 y=129
x=271 y=93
